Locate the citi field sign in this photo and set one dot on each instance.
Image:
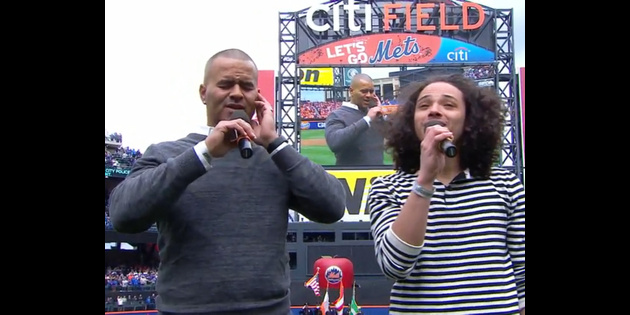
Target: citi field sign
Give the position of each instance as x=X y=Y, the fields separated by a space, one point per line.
x=394 y=48
x=388 y=17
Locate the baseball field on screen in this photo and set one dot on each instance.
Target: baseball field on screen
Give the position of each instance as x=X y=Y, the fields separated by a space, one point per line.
x=314 y=147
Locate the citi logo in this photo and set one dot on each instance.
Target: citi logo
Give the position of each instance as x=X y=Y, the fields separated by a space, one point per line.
x=460 y=54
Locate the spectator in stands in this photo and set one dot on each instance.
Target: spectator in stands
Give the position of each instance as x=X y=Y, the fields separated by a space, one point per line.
x=438 y=221
x=354 y=132
x=317 y=110
x=121 y=157
x=223 y=219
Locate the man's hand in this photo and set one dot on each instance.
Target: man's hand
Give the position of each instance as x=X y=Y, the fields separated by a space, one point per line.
x=264 y=126
x=376 y=111
x=223 y=138
x=377 y=100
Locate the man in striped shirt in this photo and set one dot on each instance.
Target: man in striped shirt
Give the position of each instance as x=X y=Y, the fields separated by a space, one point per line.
x=450 y=230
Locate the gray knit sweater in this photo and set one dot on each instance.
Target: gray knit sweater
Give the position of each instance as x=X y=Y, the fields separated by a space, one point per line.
x=352 y=140
x=222 y=232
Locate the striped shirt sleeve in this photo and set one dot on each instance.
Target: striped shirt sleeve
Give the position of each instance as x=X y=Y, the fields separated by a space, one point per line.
x=395 y=257
x=516 y=233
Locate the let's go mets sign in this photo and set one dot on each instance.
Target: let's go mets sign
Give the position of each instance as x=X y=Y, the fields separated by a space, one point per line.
x=395 y=49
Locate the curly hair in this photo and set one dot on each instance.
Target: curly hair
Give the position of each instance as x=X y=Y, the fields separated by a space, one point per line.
x=479 y=145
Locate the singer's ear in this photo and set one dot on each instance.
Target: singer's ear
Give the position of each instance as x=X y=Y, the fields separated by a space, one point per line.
x=202 y=93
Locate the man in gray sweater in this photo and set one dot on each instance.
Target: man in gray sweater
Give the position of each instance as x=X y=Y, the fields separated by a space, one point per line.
x=354 y=132
x=222 y=218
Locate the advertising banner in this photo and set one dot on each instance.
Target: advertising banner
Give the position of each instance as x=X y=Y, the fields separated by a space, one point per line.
x=356 y=184
x=395 y=49
x=317 y=76
x=485 y=82
x=312 y=125
x=389 y=109
x=348 y=74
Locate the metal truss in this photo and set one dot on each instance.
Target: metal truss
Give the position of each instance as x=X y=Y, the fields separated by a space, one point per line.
x=288 y=93
x=507 y=87
x=288 y=89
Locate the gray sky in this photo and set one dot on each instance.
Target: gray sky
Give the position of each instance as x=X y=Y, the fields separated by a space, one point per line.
x=155 y=52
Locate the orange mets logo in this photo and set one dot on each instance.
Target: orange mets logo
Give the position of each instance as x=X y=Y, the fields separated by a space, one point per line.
x=333 y=274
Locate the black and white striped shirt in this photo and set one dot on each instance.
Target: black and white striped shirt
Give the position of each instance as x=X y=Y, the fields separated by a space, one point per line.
x=472 y=260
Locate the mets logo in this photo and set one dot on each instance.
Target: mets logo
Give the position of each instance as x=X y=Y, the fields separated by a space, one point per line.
x=351 y=73
x=333 y=274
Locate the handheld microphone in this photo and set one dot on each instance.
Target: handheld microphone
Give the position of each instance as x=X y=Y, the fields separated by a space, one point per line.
x=447 y=145
x=244 y=144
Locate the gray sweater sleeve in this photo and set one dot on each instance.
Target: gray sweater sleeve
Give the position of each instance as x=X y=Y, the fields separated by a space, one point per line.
x=315 y=193
x=338 y=135
x=153 y=185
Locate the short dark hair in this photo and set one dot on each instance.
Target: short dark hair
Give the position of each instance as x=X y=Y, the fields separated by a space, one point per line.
x=233 y=53
x=480 y=144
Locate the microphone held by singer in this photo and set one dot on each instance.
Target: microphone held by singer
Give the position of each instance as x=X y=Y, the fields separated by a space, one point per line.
x=447 y=145
x=244 y=144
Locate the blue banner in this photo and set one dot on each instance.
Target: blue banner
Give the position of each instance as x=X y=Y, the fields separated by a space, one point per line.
x=454 y=51
x=313 y=125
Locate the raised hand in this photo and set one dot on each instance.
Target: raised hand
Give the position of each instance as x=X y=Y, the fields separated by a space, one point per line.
x=432 y=158
x=264 y=126
x=223 y=138
x=374 y=112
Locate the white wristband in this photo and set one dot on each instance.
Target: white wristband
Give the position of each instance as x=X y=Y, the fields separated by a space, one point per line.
x=421 y=191
x=280 y=147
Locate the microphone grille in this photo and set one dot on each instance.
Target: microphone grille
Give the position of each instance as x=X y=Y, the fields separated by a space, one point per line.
x=432 y=123
x=240 y=114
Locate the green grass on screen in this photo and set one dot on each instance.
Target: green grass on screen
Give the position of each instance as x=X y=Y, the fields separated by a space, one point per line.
x=313 y=134
x=321 y=154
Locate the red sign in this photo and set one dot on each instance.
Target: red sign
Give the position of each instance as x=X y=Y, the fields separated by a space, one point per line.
x=333 y=271
x=389 y=109
x=267 y=86
x=387 y=48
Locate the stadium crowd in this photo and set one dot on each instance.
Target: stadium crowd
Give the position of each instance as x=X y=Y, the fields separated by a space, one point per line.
x=122 y=278
x=131 y=302
x=390 y=102
x=119 y=157
x=317 y=110
x=479 y=72
x=113 y=137
x=320 y=110
x=130 y=278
